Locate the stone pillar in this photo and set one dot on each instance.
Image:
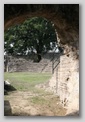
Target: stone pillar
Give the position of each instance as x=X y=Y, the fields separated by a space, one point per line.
x=68 y=82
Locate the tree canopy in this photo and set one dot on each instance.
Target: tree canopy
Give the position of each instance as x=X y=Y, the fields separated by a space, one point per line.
x=33 y=35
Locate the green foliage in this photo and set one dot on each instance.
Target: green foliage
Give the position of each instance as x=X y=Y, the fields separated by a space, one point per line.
x=35 y=33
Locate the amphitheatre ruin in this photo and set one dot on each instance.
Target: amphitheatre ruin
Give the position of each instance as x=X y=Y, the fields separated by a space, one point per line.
x=63 y=67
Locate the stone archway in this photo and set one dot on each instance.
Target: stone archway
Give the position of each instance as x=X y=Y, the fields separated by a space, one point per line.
x=65 y=30
x=69 y=38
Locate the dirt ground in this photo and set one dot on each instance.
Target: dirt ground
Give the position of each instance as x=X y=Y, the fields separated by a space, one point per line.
x=26 y=103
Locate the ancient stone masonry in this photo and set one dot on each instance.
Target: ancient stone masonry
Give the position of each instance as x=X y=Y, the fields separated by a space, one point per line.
x=68 y=80
x=65 y=80
x=26 y=63
x=67 y=83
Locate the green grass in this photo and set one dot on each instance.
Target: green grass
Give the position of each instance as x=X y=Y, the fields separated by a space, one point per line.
x=38 y=100
x=25 y=80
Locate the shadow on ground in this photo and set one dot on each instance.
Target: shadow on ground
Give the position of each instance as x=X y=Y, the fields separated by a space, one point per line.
x=8 y=88
x=76 y=113
x=7 y=108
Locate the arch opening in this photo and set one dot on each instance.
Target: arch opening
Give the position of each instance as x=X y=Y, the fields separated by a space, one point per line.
x=35 y=35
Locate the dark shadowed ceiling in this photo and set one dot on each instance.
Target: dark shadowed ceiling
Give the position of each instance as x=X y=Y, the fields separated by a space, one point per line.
x=64 y=16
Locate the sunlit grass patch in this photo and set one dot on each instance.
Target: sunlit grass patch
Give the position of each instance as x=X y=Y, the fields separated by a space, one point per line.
x=26 y=81
x=38 y=100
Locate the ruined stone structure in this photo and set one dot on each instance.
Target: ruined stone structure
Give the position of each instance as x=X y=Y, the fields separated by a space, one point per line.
x=65 y=80
x=66 y=23
x=68 y=81
x=27 y=63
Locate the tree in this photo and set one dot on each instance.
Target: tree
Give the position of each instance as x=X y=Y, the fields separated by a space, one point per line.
x=34 y=34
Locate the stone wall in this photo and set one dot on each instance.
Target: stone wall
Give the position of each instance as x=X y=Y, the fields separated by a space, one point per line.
x=27 y=63
x=68 y=85
x=65 y=81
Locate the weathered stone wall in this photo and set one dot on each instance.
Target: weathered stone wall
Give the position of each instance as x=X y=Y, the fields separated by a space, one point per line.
x=27 y=63
x=65 y=81
x=68 y=82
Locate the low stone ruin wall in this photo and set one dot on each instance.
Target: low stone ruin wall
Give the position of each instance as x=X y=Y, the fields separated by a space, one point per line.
x=27 y=63
x=65 y=80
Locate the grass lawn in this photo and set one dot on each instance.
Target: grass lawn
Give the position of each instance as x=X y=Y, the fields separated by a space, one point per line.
x=26 y=81
x=30 y=100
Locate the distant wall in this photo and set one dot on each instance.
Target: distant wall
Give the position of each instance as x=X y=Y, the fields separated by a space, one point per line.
x=28 y=64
